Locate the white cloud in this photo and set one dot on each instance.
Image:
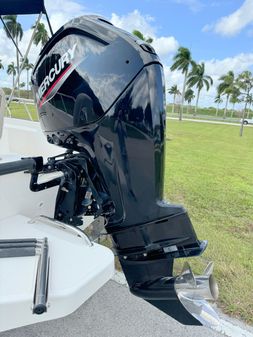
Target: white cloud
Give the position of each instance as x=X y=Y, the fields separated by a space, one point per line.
x=60 y=12
x=8 y=55
x=207 y=28
x=64 y=6
x=172 y=78
x=237 y=63
x=134 y=20
x=215 y=68
x=232 y=24
x=193 y=5
x=164 y=45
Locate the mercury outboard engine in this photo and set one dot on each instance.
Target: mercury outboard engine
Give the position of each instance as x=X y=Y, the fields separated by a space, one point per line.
x=100 y=95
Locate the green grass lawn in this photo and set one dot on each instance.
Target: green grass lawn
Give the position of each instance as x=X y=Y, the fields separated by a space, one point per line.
x=18 y=111
x=209 y=169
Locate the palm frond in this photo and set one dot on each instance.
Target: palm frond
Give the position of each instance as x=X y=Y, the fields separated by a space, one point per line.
x=182 y=60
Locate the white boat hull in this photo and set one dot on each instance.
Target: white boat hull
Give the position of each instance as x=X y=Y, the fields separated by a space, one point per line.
x=77 y=267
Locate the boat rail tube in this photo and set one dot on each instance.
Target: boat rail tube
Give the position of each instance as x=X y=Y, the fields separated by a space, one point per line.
x=12 y=248
x=41 y=286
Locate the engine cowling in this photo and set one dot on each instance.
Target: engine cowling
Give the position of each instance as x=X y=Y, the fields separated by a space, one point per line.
x=100 y=91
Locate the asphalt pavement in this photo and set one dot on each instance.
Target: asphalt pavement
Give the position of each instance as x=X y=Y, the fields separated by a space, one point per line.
x=112 y=312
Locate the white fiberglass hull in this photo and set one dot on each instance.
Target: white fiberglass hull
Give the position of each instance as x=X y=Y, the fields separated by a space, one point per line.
x=77 y=267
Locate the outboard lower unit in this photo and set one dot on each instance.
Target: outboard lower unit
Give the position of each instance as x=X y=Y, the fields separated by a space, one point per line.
x=100 y=95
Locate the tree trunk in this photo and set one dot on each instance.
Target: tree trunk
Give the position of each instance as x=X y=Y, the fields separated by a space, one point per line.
x=217 y=108
x=226 y=106
x=27 y=84
x=242 y=122
x=187 y=109
x=183 y=93
x=248 y=111
x=233 y=109
x=243 y=114
x=17 y=55
x=13 y=81
x=173 y=106
x=197 y=103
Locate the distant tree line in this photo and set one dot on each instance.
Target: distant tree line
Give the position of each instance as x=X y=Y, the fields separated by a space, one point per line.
x=231 y=89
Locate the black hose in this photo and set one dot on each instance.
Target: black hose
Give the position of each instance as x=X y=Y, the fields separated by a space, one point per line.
x=17 y=166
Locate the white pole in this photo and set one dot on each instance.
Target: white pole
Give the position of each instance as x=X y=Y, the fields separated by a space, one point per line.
x=24 y=58
x=28 y=112
x=9 y=111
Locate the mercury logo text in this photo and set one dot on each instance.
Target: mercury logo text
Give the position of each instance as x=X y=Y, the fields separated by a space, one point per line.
x=64 y=60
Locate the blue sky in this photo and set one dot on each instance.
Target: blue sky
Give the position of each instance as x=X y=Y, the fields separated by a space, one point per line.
x=185 y=20
x=220 y=33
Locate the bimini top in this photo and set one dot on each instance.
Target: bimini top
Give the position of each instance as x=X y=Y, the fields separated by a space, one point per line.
x=12 y=7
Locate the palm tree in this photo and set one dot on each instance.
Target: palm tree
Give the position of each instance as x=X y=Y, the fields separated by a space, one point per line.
x=189 y=96
x=41 y=35
x=198 y=78
x=174 y=91
x=11 y=70
x=27 y=66
x=182 y=61
x=14 y=29
x=22 y=84
x=218 y=100
x=234 y=98
x=226 y=87
x=141 y=36
x=1 y=65
x=249 y=99
x=245 y=83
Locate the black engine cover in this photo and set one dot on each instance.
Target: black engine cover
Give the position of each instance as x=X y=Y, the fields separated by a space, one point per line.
x=100 y=92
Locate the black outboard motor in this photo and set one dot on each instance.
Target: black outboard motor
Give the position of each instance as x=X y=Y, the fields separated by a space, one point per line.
x=100 y=94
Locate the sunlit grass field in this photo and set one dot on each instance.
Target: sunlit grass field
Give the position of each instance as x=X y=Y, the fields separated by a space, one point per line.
x=209 y=169
x=207 y=111
x=18 y=111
